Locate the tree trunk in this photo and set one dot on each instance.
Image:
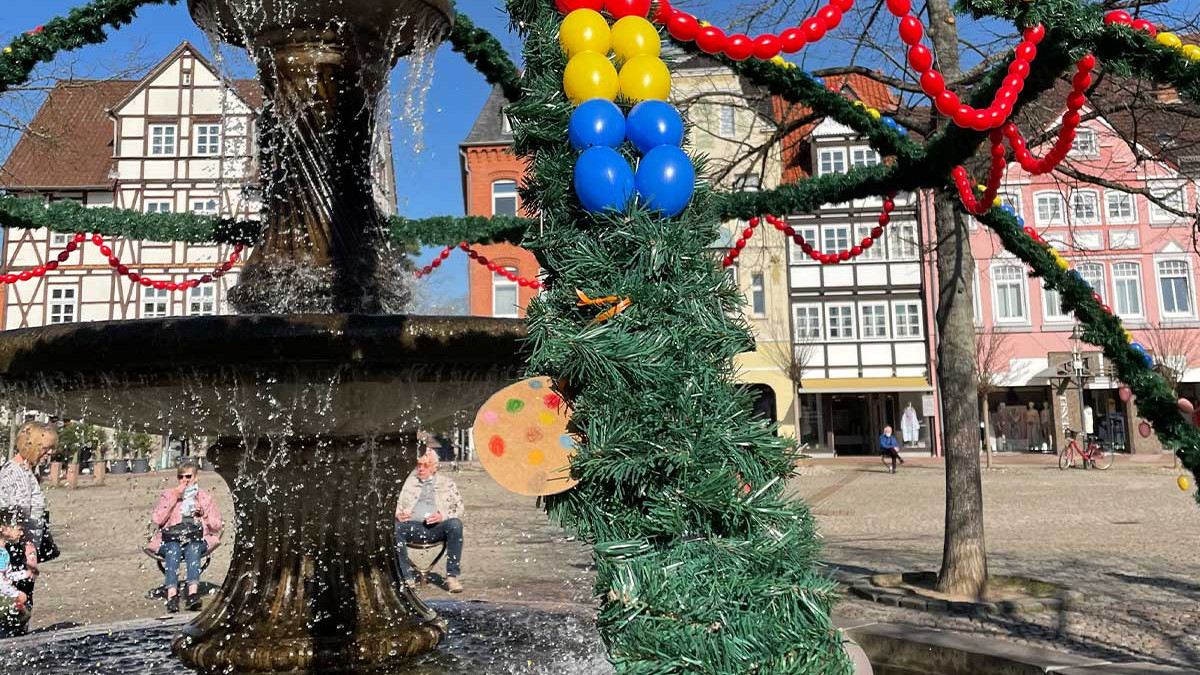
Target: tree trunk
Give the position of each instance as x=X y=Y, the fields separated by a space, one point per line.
x=964 y=556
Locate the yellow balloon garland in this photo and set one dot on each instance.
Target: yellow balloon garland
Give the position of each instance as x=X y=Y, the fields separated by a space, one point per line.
x=590 y=75
x=645 y=78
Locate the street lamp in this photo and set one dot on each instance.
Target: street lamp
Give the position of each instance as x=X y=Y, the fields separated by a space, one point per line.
x=1079 y=369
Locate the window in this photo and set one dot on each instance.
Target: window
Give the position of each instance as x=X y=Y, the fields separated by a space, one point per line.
x=726 y=121
x=1120 y=207
x=1084 y=144
x=840 y=319
x=504 y=295
x=863 y=157
x=59 y=239
x=1089 y=240
x=747 y=182
x=807 y=319
x=155 y=302
x=1127 y=289
x=809 y=232
x=976 y=300
x=831 y=161
x=758 y=294
x=1093 y=274
x=208 y=139
x=202 y=300
x=908 y=319
x=1175 y=284
x=62 y=304
x=1085 y=208
x=874 y=321
x=1169 y=195
x=204 y=207
x=903 y=241
x=162 y=139
x=158 y=206
x=504 y=198
x=878 y=250
x=1123 y=239
x=1052 y=307
x=1049 y=208
x=837 y=238
x=1008 y=292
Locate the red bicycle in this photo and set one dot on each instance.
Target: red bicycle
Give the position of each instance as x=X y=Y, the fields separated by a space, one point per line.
x=1096 y=455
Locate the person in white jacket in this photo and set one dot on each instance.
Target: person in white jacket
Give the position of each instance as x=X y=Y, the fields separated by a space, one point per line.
x=430 y=510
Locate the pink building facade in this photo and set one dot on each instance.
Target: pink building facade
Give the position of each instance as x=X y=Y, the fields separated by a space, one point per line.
x=1137 y=255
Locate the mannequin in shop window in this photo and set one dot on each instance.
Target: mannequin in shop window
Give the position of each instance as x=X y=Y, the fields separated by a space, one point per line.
x=1033 y=426
x=910 y=425
x=1001 y=421
x=1047 y=428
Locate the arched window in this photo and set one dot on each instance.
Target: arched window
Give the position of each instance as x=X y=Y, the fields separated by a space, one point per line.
x=504 y=198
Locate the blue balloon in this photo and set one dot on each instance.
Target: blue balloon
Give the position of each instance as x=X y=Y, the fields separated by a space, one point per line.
x=1020 y=221
x=654 y=123
x=666 y=179
x=1008 y=208
x=598 y=122
x=1137 y=347
x=603 y=179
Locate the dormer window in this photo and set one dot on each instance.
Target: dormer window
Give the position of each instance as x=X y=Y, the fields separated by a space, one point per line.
x=1084 y=144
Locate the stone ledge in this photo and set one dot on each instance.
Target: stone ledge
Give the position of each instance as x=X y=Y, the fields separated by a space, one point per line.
x=886 y=589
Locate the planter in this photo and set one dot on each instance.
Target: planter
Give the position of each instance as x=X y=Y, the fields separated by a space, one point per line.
x=118 y=466
x=55 y=472
x=99 y=468
x=72 y=475
x=139 y=465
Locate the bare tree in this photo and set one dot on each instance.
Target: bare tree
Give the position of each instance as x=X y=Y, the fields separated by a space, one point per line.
x=792 y=356
x=991 y=359
x=1173 y=349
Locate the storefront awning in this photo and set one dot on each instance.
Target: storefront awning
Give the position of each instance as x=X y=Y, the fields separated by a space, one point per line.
x=860 y=385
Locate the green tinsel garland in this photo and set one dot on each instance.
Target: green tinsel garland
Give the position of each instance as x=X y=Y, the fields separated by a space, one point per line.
x=482 y=50
x=70 y=217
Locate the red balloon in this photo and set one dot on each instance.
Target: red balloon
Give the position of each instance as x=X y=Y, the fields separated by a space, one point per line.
x=911 y=30
x=1035 y=34
x=843 y=255
x=842 y=6
x=946 y=102
x=1086 y=63
x=52 y=265
x=739 y=47
x=830 y=16
x=766 y=46
x=622 y=8
x=920 y=58
x=884 y=219
x=1144 y=25
x=25 y=276
x=1019 y=68
x=932 y=83
x=899 y=7
x=663 y=12
x=683 y=26
x=1117 y=16
x=39 y=271
x=867 y=242
x=963 y=116
x=814 y=29
x=856 y=251
x=568 y=6
x=876 y=232
x=1026 y=51
x=792 y=40
x=711 y=39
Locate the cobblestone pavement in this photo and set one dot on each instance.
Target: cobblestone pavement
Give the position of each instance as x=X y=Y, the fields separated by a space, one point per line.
x=1126 y=538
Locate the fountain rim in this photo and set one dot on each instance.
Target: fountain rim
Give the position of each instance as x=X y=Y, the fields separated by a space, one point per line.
x=262 y=341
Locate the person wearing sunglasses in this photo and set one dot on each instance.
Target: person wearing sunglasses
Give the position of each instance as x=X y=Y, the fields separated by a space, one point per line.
x=188 y=528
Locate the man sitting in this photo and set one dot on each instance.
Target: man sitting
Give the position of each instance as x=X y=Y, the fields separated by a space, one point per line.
x=429 y=511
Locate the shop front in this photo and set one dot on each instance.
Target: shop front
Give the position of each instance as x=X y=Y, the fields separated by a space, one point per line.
x=838 y=418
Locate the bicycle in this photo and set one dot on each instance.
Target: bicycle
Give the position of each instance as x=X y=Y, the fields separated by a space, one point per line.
x=1096 y=455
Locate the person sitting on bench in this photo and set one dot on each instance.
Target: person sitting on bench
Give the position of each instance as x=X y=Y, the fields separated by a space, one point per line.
x=189 y=528
x=430 y=510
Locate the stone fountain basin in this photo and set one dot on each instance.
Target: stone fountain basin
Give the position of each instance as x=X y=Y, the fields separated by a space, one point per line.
x=272 y=20
x=252 y=375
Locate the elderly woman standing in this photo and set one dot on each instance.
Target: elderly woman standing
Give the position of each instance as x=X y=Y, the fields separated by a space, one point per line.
x=19 y=489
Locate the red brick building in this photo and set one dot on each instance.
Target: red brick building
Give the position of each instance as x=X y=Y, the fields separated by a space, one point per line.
x=490 y=174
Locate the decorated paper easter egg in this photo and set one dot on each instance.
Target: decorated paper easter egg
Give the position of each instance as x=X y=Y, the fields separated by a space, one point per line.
x=1144 y=429
x=1186 y=407
x=1183 y=483
x=522 y=439
x=1125 y=394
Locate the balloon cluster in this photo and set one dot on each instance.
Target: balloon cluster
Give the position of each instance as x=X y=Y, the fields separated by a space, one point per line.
x=665 y=178
x=1171 y=40
x=587 y=39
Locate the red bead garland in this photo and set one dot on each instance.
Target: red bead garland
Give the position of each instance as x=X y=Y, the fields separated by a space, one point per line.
x=685 y=27
x=120 y=268
x=889 y=204
x=535 y=284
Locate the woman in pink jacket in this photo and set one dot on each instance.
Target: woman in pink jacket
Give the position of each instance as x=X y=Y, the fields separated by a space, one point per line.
x=189 y=527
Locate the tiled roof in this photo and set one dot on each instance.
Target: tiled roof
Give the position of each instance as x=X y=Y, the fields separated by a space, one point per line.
x=69 y=142
x=797 y=153
x=489 y=125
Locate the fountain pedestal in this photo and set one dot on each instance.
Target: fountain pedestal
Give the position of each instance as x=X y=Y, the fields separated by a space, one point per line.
x=314 y=585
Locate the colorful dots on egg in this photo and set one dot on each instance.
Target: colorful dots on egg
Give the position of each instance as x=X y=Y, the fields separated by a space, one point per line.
x=528 y=446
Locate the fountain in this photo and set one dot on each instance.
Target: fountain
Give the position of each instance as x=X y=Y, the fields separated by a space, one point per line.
x=312 y=392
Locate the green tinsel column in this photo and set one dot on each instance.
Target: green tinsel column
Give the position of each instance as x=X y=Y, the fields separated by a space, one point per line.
x=704 y=565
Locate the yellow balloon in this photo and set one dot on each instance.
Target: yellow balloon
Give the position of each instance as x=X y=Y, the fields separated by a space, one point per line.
x=634 y=36
x=1183 y=483
x=645 y=78
x=1128 y=336
x=584 y=30
x=1169 y=40
x=590 y=75
x=1191 y=52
